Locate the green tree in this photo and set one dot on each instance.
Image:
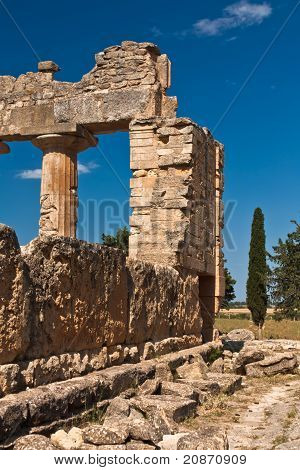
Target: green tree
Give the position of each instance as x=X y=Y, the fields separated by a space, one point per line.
x=120 y=240
x=285 y=276
x=257 y=298
x=229 y=289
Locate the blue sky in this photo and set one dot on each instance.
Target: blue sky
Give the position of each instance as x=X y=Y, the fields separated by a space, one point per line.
x=214 y=47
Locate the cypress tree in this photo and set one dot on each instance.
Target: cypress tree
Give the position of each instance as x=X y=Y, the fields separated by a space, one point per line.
x=257 y=298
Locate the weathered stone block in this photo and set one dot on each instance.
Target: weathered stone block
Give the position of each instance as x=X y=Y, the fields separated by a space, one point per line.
x=15 y=298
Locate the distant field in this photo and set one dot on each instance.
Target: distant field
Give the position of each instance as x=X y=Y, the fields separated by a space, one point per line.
x=237 y=310
x=285 y=329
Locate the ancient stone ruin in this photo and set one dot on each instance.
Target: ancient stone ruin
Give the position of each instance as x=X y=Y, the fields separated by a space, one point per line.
x=102 y=351
x=176 y=191
x=68 y=307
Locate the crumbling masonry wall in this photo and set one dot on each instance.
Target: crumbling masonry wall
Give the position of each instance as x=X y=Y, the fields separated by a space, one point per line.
x=173 y=280
x=173 y=194
x=64 y=295
x=127 y=82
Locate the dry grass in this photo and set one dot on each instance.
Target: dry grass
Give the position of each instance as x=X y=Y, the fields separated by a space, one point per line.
x=285 y=329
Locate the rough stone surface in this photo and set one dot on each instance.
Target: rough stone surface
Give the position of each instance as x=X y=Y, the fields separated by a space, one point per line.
x=235 y=340
x=102 y=435
x=217 y=366
x=176 y=192
x=197 y=370
x=150 y=387
x=72 y=440
x=33 y=442
x=163 y=372
x=78 y=296
x=281 y=363
x=240 y=335
x=179 y=390
x=15 y=299
x=208 y=438
x=247 y=356
x=118 y=409
x=176 y=409
x=214 y=383
x=143 y=430
x=170 y=441
x=167 y=308
x=139 y=445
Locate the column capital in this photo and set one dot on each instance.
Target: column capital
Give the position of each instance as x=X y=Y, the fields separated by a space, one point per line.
x=56 y=142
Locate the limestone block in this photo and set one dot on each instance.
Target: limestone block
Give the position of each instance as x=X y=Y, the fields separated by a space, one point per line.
x=162 y=303
x=208 y=438
x=15 y=298
x=280 y=363
x=175 y=408
x=80 y=296
x=33 y=442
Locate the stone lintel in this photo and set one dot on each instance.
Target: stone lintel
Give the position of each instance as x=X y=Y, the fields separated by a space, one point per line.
x=29 y=133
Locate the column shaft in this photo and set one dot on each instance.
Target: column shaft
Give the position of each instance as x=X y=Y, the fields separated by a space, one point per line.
x=59 y=199
x=59 y=183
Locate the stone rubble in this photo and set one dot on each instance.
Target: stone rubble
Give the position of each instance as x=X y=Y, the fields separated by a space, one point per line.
x=140 y=408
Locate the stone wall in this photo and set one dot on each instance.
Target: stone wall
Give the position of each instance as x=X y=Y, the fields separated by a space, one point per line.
x=173 y=194
x=15 y=298
x=127 y=82
x=63 y=295
x=84 y=296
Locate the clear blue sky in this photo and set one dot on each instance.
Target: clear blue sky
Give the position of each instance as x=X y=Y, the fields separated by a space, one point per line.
x=214 y=46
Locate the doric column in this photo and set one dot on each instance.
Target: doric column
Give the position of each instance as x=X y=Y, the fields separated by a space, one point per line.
x=59 y=200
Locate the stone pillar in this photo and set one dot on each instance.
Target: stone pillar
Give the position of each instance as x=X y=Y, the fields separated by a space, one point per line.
x=59 y=183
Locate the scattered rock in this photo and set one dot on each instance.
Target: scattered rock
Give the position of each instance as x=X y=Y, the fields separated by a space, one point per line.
x=163 y=372
x=241 y=334
x=33 y=442
x=144 y=430
x=290 y=445
x=149 y=351
x=76 y=435
x=139 y=445
x=67 y=441
x=282 y=363
x=227 y=354
x=102 y=435
x=208 y=438
x=235 y=340
x=150 y=387
x=215 y=383
x=217 y=366
x=131 y=392
x=117 y=409
x=10 y=376
x=174 y=408
x=196 y=370
x=179 y=390
x=247 y=356
x=170 y=441
x=163 y=424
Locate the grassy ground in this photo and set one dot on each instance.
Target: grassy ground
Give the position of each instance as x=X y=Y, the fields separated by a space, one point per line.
x=285 y=329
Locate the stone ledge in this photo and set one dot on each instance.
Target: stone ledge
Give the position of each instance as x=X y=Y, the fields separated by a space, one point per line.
x=19 y=376
x=25 y=411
